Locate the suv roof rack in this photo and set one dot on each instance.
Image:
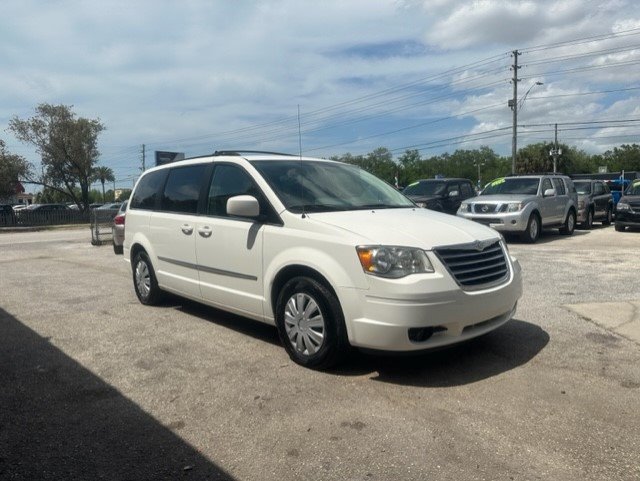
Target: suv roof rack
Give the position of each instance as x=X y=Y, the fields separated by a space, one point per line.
x=240 y=152
x=535 y=173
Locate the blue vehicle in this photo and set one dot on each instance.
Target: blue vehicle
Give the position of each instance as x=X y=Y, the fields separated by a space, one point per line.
x=617 y=187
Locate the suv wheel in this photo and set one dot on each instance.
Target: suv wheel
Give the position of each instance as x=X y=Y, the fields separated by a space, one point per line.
x=533 y=229
x=608 y=217
x=144 y=280
x=117 y=249
x=588 y=223
x=311 y=324
x=569 y=224
x=620 y=227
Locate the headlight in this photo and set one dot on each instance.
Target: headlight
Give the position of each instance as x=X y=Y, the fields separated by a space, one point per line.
x=581 y=204
x=393 y=262
x=464 y=207
x=623 y=206
x=514 y=207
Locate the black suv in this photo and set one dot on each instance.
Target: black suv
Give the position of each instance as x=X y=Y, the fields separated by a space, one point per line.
x=443 y=195
x=595 y=202
x=628 y=208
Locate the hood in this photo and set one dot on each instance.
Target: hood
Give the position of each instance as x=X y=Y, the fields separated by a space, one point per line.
x=502 y=198
x=630 y=198
x=411 y=227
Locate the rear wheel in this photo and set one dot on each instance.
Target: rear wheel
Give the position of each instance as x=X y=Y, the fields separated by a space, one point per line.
x=532 y=232
x=620 y=228
x=144 y=280
x=311 y=324
x=569 y=224
x=117 y=249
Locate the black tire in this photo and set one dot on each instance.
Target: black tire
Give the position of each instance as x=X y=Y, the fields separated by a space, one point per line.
x=298 y=337
x=118 y=249
x=608 y=216
x=588 y=223
x=620 y=228
x=532 y=233
x=569 y=224
x=144 y=280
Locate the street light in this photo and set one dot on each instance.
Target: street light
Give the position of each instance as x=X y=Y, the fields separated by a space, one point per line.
x=515 y=104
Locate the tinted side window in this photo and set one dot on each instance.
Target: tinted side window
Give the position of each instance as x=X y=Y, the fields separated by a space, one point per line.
x=148 y=190
x=466 y=190
x=559 y=186
x=546 y=184
x=453 y=187
x=182 y=191
x=598 y=189
x=229 y=181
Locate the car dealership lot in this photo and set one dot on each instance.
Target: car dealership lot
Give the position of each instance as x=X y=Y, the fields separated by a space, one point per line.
x=97 y=386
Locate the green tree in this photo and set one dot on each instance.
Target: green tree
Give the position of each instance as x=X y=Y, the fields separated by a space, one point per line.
x=626 y=157
x=103 y=174
x=68 y=146
x=13 y=168
x=535 y=158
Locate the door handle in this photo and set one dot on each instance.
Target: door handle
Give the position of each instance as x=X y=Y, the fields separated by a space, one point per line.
x=187 y=229
x=205 y=231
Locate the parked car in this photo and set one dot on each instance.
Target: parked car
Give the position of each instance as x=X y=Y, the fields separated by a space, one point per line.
x=442 y=195
x=47 y=207
x=628 y=208
x=7 y=215
x=525 y=204
x=117 y=230
x=617 y=187
x=595 y=202
x=110 y=206
x=328 y=253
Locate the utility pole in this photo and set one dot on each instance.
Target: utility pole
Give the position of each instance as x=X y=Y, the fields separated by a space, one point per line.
x=478 y=163
x=555 y=152
x=513 y=103
x=143 y=159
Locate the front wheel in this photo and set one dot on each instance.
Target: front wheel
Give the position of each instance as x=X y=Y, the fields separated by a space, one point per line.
x=144 y=280
x=569 y=224
x=608 y=218
x=533 y=229
x=620 y=227
x=311 y=324
x=588 y=223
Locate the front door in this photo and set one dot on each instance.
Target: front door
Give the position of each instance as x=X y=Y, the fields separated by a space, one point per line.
x=229 y=249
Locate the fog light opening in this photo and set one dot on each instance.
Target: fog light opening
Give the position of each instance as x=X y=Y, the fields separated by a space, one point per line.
x=422 y=334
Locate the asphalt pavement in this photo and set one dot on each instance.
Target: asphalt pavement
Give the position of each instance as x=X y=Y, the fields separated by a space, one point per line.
x=96 y=386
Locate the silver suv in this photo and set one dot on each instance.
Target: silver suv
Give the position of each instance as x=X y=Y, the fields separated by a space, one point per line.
x=525 y=204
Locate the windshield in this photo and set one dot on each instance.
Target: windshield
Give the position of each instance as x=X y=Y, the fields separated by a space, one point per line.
x=425 y=187
x=512 y=185
x=582 y=187
x=317 y=186
x=634 y=189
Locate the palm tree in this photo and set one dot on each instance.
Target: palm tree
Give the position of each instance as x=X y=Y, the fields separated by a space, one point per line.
x=103 y=174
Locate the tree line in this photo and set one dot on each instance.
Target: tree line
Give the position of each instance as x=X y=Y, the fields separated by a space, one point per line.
x=68 y=148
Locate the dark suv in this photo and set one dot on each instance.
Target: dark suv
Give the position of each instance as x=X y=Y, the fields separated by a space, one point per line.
x=7 y=216
x=628 y=208
x=443 y=195
x=595 y=202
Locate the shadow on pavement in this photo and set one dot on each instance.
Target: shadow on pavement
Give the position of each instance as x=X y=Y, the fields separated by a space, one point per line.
x=510 y=346
x=60 y=421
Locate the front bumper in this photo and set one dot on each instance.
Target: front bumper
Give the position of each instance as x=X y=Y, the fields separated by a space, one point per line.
x=380 y=318
x=502 y=222
x=628 y=218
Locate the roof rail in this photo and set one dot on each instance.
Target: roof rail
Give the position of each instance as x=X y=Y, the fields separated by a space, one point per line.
x=534 y=173
x=240 y=152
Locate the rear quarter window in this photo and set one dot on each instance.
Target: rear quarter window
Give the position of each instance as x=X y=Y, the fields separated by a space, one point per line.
x=148 y=190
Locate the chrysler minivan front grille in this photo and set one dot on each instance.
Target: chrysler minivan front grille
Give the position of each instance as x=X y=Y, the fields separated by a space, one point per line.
x=475 y=266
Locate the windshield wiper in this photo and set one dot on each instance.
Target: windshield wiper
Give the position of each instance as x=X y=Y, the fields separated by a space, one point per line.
x=380 y=206
x=316 y=208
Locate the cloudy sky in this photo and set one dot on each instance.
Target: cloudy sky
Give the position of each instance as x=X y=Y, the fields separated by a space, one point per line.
x=198 y=76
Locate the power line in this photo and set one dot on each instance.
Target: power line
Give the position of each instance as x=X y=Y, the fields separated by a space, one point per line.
x=579 y=41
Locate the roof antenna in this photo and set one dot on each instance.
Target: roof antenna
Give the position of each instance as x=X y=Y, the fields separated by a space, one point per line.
x=301 y=173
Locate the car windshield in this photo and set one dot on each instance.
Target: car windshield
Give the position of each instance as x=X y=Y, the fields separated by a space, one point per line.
x=582 y=187
x=634 y=189
x=317 y=186
x=425 y=187
x=512 y=185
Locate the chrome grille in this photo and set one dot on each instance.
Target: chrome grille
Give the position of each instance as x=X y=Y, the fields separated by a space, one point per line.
x=635 y=206
x=475 y=268
x=485 y=208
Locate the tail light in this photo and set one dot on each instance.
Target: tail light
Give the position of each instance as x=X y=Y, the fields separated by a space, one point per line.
x=119 y=219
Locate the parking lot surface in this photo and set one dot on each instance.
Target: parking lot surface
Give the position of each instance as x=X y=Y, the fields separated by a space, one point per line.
x=97 y=386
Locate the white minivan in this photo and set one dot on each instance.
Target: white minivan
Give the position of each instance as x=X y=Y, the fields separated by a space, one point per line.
x=328 y=253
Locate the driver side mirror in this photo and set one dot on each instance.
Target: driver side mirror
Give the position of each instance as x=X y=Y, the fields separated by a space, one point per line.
x=549 y=193
x=454 y=193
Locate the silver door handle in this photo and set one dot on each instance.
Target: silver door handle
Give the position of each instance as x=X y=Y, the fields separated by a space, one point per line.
x=187 y=229
x=205 y=231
